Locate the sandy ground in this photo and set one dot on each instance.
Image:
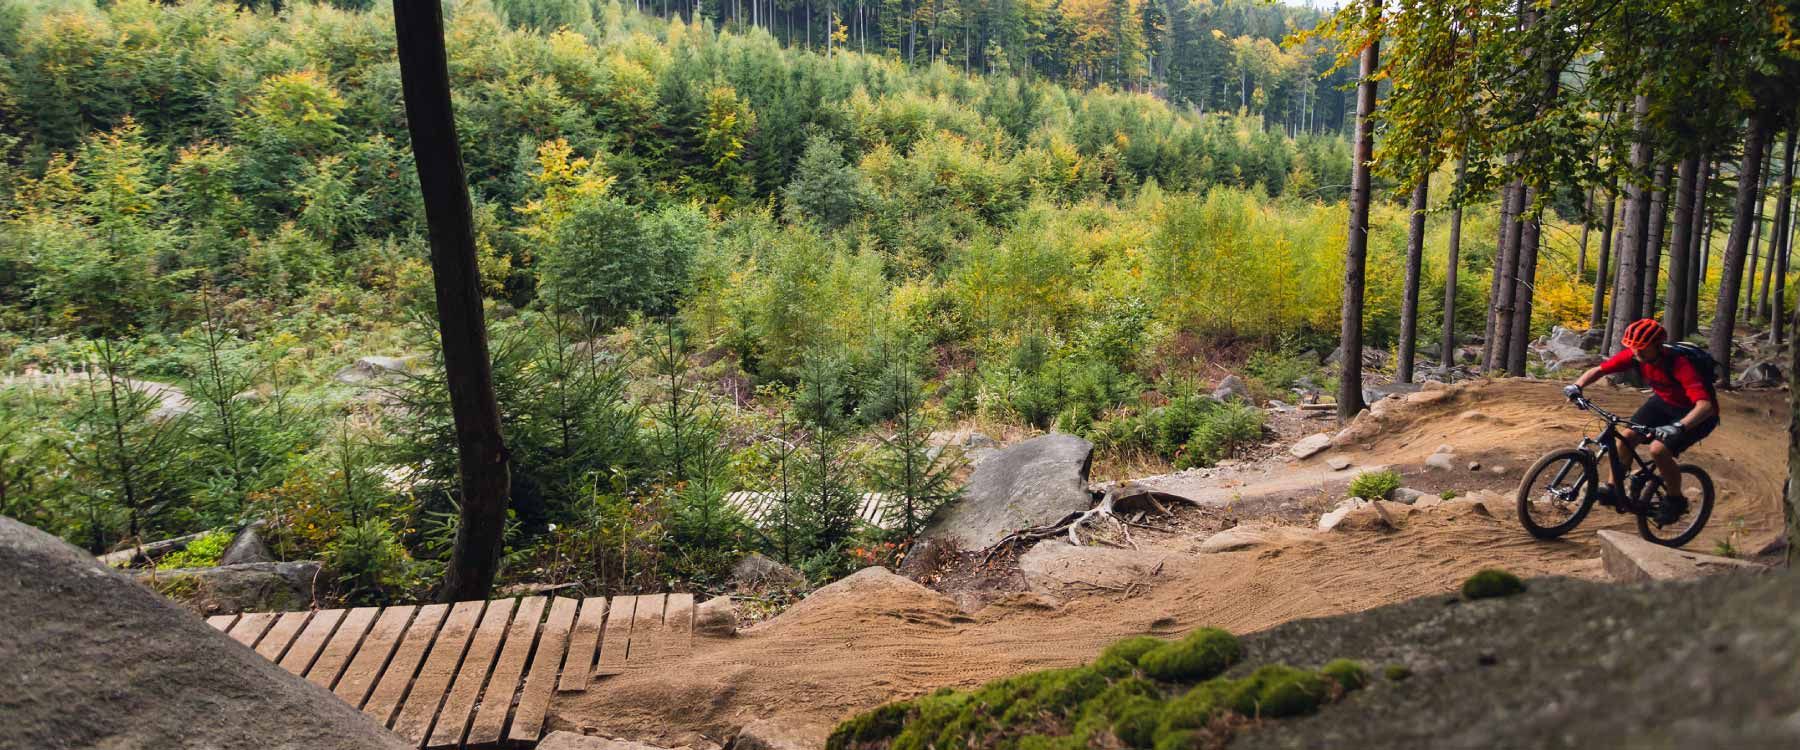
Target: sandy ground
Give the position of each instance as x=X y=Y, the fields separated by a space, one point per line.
x=849 y=648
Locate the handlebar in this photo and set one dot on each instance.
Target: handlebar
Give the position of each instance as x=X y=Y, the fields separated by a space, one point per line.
x=1582 y=403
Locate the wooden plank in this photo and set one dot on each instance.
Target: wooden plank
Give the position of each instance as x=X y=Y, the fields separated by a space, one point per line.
x=434 y=678
x=617 y=636
x=337 y=652
x=679 y=618
x=371 y=660
x=459 y=704
x=306 y=646
x=534 y=701
x=221 y=623
x=251 y=626
x=575 y=672
x=646 y=631
x=275 y=642
x=490 y=718
x=384 y=702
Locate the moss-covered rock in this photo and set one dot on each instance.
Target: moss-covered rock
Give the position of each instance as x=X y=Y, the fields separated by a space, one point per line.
x=1133 y=648
x=1349 y=674
x=880 y=724
x=1490 y=583
x=1285 y=691
x=1204 y=653
x=1137 y=722
x=1397 y=672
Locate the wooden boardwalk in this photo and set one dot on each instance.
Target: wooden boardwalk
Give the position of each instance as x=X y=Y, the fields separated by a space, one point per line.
x=760 y=508
x=473 y=674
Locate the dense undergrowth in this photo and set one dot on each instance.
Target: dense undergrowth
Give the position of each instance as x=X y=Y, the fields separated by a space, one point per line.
x=1142 y=692
x=712 y=264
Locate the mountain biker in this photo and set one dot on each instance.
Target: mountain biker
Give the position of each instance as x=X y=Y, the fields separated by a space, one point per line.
x=1683 y=411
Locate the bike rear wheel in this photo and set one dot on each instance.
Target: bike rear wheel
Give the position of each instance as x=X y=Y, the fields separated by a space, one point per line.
x=1683 y=527
x=1557 y=493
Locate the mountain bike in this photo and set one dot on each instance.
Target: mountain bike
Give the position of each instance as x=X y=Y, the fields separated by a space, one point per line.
x=1564 y=485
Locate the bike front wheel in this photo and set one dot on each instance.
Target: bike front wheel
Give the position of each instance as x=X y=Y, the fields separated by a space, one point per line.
x=1675 y=527
x=1557 y=493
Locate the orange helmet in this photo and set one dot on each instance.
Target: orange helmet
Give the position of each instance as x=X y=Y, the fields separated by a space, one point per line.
x=1644 y=334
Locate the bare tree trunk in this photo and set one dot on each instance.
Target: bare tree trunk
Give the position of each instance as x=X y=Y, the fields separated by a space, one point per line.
x=1409 y=303
x=1790 y=495
x=1702 y=238
x=1451 y=264
x=481 y=452
x=1356 y=245
x=1524 y=284
x=1731 y=274
x=1675 y=308
x=1506 y=262
x=1587 y=224
x=1627 y=292
x=1778 y=232
x=1606 y=240
x=1653 y=252
x=1756 y=234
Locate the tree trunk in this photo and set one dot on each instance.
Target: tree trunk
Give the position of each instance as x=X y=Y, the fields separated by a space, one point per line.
x=1756 y=234
x=1409 y=303
x=1451 y=263
x=1587 y=224
x=1731 y=272
x=1790 y=496
x=1606 y=240
x=1627 y=280
x=481 y=452
x=1778 y=231
x=1524 y=284
x=1702 y=238
x=1675 y=308
x=1506 y=268
x=1653 y=252
x=1356 y=245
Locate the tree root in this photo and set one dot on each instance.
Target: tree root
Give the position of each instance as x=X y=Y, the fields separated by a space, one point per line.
x=1116 y=501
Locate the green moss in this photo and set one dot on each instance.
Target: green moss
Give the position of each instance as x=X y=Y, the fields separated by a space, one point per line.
x=1349 y=674
x=1204 y=653
x=1114 y=667
x=1134 y=648
x=1286 y=691
x=1397 y=672
x=1375 y=485
x=1491 y=583
x=1180 y=740
x=1137 y=721
x=200 y=553
x=873 y=726
x=1196 y=707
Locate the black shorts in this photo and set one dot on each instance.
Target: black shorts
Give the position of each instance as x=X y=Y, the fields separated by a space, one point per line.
x=1657 y=412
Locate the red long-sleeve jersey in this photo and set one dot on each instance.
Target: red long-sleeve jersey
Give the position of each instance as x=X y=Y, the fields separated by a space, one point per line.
x=1672 y=376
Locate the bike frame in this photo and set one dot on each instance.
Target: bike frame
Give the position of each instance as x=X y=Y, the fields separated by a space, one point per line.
x=1607 y=446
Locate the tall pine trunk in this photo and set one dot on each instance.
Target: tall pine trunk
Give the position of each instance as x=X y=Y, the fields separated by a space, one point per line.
x=1731 y=270
x=1675 y=307
x=1587 y=225
x=468 y=374
x=1756 y=235
x=1506 y=266
x=1452 y=262
x=1697 y=255
x=1778 y=232
x=1627 y=280
x=1653 y=252
x=1409 y=303
x=1356 y=244
x=1524 y=284
x=1606 y=240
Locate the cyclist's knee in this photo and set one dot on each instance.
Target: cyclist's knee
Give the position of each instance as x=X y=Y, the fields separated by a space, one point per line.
x=1660 y=451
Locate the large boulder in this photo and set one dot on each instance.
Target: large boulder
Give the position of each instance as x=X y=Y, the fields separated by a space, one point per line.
x=92 y=660
x=250 y=587
x=1056 y=568
x=1629 y=558
x=1310 y=445
x=781 y=734
x=716 y=617
x=1232 y=388
x=1037 y=482
x=1761 y=375
x=1563 y=344
x=247 y=547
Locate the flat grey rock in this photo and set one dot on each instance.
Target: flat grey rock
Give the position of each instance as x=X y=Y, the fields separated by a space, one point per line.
x=1033 y=483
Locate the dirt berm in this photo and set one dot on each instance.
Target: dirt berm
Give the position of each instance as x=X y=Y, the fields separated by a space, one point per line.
x=1713 y=663
x=90 y=659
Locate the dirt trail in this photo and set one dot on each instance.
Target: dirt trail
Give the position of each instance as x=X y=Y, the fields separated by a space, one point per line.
x=847 y=650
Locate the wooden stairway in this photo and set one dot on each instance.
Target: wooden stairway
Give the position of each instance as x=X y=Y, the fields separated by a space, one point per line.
x=473 y=674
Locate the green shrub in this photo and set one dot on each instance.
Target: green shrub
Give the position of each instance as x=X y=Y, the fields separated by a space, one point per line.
x=1277 y=372
x=1222 y=431
x=200 y=553
x=1375 y=485
x=1348 y=673
x=368 y=557
x=1491 y=582
x=1447 y=494
x=1132 y=649
x=1204 y=653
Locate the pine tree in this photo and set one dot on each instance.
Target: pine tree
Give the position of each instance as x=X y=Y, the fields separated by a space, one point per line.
x=914 y=478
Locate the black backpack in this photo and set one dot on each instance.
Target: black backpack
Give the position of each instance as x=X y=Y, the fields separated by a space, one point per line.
x=1700 y=358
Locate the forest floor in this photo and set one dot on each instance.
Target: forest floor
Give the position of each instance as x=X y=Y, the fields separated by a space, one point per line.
x=850 y=648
